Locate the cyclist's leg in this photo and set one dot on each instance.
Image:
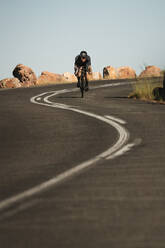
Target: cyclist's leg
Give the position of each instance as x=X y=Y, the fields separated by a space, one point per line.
x=90 y=69
x=78 y=83
x=78 y=74
x=86 y=83
x=88 y=76
x=78 y=77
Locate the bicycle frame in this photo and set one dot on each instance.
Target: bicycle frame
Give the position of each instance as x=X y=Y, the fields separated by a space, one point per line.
x=83 y=80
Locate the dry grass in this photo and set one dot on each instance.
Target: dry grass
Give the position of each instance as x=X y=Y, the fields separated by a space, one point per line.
x=143 y=89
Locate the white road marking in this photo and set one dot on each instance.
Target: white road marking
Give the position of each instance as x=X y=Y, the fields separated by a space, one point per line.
x=115 y=119
x=112 y=85
x=125 y=149
x=20 y=208
x=116 y=150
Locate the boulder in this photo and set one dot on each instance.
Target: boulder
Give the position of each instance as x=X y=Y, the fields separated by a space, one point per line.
x=151 y=71
x=70 y=77
x=109 y=72
x=96 y=76
x=10 y=83
x=25 y=75
x=125 y=72
x=50 y=78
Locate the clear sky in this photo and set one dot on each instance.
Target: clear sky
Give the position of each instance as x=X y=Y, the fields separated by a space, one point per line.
x=48 y=34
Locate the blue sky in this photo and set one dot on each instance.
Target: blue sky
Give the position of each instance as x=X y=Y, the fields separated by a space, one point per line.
x=47 y=35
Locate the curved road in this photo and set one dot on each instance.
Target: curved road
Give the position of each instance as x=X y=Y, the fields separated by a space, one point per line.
x=81 y=172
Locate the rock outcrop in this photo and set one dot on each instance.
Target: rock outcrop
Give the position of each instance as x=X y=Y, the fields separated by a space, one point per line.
x=70 y=77
x=25 y=75
x=109 y=72
x=124 y=72
x=50 y=78
x=10 y=83
x=151 y=71
x=96 y=76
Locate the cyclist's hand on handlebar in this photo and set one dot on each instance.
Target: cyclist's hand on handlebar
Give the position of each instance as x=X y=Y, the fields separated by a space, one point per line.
x=76 y=71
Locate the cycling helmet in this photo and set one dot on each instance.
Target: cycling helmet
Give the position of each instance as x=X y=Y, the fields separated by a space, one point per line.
x=83 y=54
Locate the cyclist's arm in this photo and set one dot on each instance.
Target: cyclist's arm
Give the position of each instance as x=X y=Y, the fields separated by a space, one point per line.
x=76 y=64
x=88 y=61
x=88 y=65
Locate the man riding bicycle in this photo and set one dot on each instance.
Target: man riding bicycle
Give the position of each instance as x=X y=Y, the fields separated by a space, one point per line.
x=82 y=60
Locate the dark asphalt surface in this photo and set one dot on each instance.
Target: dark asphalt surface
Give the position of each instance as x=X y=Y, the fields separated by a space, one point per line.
x=117 y=203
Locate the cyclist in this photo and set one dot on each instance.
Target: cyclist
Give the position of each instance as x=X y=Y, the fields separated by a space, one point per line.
x=83 y=59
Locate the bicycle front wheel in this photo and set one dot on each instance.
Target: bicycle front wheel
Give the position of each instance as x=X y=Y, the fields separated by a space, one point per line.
x=82 y=88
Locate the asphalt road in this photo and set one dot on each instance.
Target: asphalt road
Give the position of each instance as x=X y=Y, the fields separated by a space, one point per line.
x=117 y=203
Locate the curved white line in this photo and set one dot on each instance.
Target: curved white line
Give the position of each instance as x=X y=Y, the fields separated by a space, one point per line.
x=111 y=153
x=116 y=119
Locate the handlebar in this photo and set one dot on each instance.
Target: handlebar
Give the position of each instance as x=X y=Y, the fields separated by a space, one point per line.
x=84 y=68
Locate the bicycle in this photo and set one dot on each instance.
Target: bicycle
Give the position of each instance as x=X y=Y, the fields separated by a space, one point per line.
x=83 y=80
